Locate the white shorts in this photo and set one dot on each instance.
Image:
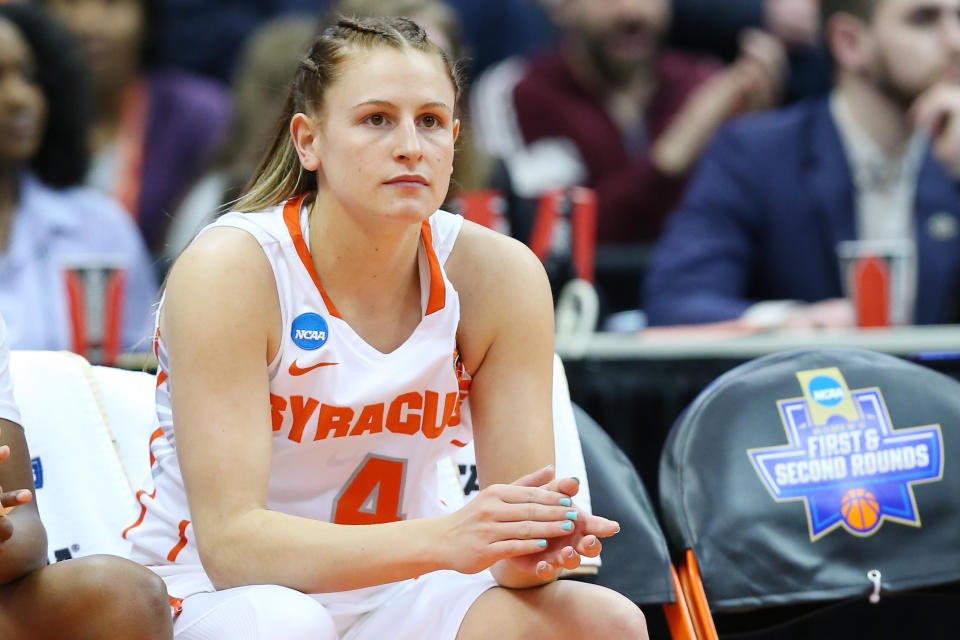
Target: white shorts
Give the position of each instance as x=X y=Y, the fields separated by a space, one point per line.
x=431 y=606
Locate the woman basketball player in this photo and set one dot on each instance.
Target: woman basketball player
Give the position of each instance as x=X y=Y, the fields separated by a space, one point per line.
x=313 y=350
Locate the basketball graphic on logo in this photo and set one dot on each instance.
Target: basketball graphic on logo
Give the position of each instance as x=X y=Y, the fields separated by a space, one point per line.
x=860 y=509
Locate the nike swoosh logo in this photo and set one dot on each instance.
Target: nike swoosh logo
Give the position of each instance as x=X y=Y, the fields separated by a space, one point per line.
x=297 y=371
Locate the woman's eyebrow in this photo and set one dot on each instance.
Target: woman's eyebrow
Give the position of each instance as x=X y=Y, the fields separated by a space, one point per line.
x=435 y=105
x=374 y=103
x=387 y=103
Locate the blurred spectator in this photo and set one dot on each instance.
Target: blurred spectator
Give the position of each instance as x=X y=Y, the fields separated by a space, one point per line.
x=45 y=217
x=153 y=131
x=610 y=109
x=267 y=63
x=208 y=36
x=715 y=27
x=776 y=193
x=498 y=29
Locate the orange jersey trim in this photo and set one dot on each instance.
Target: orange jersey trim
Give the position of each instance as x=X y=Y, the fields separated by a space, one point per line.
x=177 y=548
x=438 y=293
x=291 y=216
x=143 y=508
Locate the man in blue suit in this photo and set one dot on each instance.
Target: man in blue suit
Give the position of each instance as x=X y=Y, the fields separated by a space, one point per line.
x=878 y=159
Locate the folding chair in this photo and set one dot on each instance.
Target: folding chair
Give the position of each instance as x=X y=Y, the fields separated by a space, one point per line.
x=636 y=561
x=816 y=476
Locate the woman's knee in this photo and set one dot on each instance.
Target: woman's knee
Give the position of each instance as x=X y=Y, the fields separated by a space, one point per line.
x=622 y=619
x=297 y=614
x=606 y=613
x=255 y=611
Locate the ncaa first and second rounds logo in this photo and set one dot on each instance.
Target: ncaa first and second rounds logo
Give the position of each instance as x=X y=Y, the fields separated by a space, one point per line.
x=309 y=331
x=845 y=460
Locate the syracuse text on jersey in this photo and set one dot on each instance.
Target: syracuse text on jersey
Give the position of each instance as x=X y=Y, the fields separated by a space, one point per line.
x=409 y=413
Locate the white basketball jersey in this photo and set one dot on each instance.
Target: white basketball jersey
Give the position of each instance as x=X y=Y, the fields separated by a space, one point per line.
x=357 y=433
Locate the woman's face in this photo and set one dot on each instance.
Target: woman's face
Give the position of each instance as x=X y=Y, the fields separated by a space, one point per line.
x=23 y=107
x=386 y=132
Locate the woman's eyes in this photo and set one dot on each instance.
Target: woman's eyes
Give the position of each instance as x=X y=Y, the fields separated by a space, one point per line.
x=428 y=121
x=431 y=121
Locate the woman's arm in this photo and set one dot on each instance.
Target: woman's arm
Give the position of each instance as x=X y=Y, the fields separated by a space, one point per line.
x=506 y=342
x=220 y=323
x=23 y=541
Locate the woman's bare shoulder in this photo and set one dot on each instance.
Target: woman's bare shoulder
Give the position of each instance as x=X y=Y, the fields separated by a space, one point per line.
x=503 y=289
x=482 y=257
x=224 y=272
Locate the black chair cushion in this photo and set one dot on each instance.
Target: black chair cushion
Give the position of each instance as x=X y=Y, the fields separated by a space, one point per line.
x=795 y=474
x=636 y=561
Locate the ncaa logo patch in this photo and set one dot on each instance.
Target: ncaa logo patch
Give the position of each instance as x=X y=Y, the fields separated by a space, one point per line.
x=845 y=460
x=825 y=391
x=309 y=331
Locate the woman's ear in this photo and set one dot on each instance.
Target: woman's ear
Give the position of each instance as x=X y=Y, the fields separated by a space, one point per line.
x=456 y=130
x=304 y=135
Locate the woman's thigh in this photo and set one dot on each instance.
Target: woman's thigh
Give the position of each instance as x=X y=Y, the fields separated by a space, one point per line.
x=255 y=612
x=561 y=610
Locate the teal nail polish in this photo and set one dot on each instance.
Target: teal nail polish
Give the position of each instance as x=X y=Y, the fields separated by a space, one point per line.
x=566 y=526
x=565 y=502
x=541 y=543
x=592 y=542
x=576 y=479
x=617 y=531
x=571 y=515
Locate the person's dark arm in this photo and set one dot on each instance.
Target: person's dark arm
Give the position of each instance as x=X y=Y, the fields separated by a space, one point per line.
x=23 y=541
x=703 y=264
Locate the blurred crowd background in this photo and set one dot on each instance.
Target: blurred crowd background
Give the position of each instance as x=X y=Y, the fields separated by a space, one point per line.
x=729 y=146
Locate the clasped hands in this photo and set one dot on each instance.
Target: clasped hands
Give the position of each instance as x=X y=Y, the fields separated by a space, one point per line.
x=531 y=523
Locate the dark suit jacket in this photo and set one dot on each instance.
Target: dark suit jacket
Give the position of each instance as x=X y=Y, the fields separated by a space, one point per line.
x=761 y=220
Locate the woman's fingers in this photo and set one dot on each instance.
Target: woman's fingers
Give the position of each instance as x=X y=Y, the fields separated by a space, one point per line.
x=545 y=570
x=4 y=452
x=569 y=558
x=537 y=478
x=528 y=529
x=513 y=512
x=516 y=548
x=600 y=526
x=567 y=486
x=589 y=546
x=529 y=495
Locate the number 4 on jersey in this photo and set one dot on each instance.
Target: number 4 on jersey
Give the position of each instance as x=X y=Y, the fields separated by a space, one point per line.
x=373 y=493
